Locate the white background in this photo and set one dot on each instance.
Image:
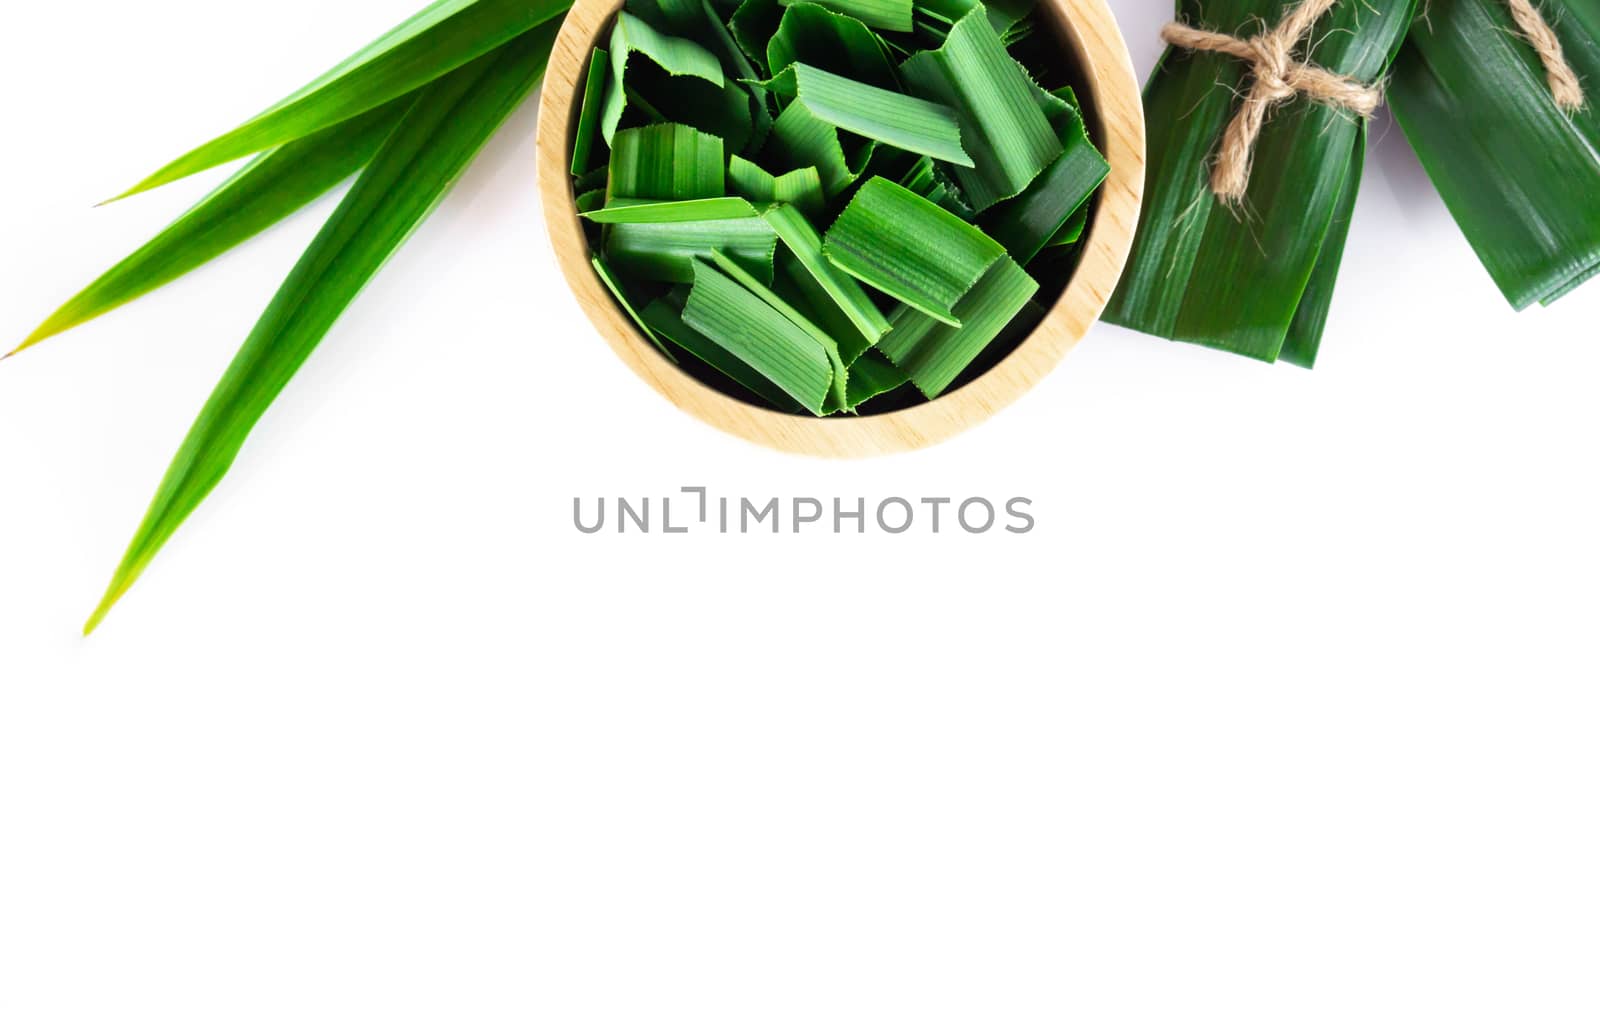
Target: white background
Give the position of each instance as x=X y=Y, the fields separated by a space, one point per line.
x=1286 y=710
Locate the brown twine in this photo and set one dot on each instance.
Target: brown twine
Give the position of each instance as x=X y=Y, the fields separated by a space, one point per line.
x=1278 y=78
x=1563 y=80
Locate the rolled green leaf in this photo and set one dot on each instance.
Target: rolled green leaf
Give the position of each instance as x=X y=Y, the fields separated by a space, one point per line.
x=898 y=242
x=438 y=40
x=270 y=188
x=934 y=353
x=428 y=150
x=1008 y=137
x=1203 y=273
x=666 y=162
x=1518 y=173
x=759 y=335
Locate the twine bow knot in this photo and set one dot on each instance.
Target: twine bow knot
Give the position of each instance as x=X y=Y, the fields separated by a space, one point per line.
x=1276 y=78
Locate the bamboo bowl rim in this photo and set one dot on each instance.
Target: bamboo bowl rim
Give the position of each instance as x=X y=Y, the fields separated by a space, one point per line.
x=1088 y=27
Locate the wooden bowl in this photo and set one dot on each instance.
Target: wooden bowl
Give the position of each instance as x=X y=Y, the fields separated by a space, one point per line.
x=1116 y=122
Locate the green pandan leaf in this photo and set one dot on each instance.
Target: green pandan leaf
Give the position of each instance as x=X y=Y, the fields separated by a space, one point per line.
x=438 y=40
x=1008 y=137
x=765 y=339
x=681 y=80
x=934 y=353
x=270 y=188
x=891 y=118
x=665 y=251
x=665 y=162
x=811 y=34
x=898 y=242
x=428 y=150
x=1519 y=174
x=801 y=188
x=891 y=15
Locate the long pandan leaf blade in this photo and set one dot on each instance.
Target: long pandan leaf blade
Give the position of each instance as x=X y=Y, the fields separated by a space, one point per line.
x=1234 y=279
x=1002 y=127
x=268 y=190
x=1519 y=174
x=899 y=243
x=436 y=41
x=438 y=137
x=759 y=335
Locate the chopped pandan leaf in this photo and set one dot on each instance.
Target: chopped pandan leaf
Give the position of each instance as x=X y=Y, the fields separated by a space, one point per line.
x=801 y=139
x=440 y=134
x=267 y=190
x=839 y=290
x=899 y=243
x=752 y=26
x=590 y=201
x=933 y=353
x=666 y=162
x=667 y=321
x=595 y=178
x=759 y=335
x=687 y=211
x=434 y=42
x=801 y=188
x=666 y=251
x=1071 y=231
x=683 y=82
x=890 y=15
x=839 y=393
x=594 y=91
x=1018 y=32
x=871 y=376
x=1025 y=224
x=1002 y=14
x=811 y=34
x=602 y=269
x=1008 y=137
x=926 y=179
x=1519 y=174
x=893 y=118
